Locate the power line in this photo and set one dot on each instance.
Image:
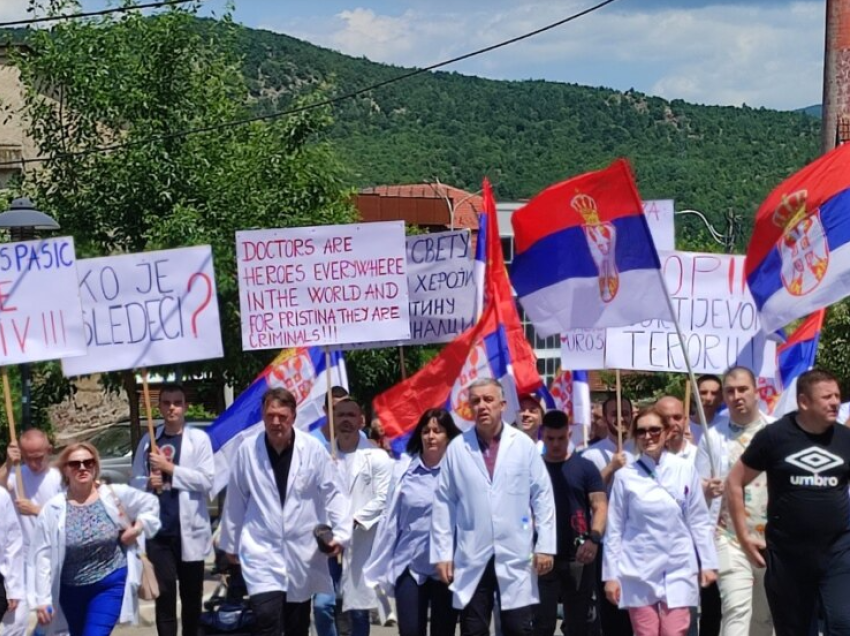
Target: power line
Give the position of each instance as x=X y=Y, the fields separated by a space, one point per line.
x=93 y=14
x=322 y=103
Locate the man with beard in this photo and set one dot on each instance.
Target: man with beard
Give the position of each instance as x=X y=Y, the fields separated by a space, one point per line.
x=605 y=454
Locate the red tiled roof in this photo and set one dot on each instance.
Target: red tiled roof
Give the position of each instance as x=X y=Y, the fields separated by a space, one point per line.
x=420 y=204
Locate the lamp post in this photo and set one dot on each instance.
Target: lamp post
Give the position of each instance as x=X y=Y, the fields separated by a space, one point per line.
x=727 y=238
x=23 y=220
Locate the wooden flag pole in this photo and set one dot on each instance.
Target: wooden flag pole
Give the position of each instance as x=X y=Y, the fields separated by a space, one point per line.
x=146 y=394
x=10 y=415
x=619 y=411
x=330 y=401
x=688 y=402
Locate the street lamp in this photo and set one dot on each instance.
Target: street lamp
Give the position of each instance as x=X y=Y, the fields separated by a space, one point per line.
x=726 y=239
x=23 y=220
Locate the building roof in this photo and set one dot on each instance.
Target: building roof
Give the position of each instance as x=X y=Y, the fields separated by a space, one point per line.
x=420 y=204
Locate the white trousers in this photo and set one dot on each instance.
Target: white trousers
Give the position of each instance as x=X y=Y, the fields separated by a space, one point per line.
x=744 y=603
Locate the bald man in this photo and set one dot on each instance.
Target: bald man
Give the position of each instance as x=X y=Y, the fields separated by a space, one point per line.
x=41 y=482
x=673 y=412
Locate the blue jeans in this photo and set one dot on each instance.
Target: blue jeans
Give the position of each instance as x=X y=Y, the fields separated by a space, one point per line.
x=324 y=605
x=94 y=609
x=360 y=623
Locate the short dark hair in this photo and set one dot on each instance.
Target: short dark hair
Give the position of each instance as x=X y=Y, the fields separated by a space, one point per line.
x=740 y=369
x=348 y=399
x=279 y=394
x=647 y=410
x=172 y=387
x=708 y=377
x=555 y=419
x=443 y=418
x=613 y=398
x=807 y=381
x=338 y=392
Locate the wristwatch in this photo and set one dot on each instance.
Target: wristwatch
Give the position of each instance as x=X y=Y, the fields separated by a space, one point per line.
x=595 y=537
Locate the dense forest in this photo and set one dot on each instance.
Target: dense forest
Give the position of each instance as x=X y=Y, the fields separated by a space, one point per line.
x=528 y=134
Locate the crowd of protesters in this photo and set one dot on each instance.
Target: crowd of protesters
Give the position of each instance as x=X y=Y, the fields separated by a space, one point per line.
x=659 y=527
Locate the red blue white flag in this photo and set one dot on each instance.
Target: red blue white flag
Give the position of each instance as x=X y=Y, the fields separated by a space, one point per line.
x=570 y=392
x=798 y=259
x=584 y=255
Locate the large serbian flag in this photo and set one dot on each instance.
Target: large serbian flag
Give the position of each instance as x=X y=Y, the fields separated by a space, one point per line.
x=793 y=358
x=584 y=256
x=304 y=373
x=799 y=257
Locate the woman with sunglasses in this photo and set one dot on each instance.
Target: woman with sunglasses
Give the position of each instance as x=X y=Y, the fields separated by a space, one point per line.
x=659 y=532
x=85 y=549
x=400 y=563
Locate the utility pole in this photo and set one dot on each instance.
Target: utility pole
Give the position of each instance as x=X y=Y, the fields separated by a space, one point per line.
x=836 y=75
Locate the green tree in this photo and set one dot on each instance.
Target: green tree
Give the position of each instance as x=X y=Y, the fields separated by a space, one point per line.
x=138 y=86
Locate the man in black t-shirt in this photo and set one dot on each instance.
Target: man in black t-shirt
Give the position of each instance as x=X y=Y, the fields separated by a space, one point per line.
x=581 y=506
x=807 y=460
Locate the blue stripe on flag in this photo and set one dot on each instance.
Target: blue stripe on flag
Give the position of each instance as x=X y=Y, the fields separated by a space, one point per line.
x=244 y=412
x=566 y=254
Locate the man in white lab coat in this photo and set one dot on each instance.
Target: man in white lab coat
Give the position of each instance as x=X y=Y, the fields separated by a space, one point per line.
x=365 y=472
x=494 y=494
x=282 y=485
x=41 y=482
x=180 y=473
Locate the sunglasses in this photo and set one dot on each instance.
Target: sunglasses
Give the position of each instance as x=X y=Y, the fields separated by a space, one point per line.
x=80 y=464
x=653 y=431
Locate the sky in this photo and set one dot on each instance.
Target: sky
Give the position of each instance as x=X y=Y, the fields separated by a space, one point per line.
x=763 y=53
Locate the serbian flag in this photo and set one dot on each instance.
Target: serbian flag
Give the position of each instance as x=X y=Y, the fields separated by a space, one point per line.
x=584 y=256
x=798 y=259
x=495 y=347
x=793 y=358
x=304 y=373
x=570 y=391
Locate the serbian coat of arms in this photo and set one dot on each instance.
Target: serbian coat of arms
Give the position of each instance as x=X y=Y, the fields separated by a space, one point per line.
x=803 y=247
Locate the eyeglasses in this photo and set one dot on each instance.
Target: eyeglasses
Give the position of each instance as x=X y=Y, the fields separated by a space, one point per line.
x=653 y=431
x=80 y=464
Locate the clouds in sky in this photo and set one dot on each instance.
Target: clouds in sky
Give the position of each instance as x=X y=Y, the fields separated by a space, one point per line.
x=763 y=53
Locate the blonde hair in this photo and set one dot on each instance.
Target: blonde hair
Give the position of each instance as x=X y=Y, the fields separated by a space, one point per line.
x=62 y=460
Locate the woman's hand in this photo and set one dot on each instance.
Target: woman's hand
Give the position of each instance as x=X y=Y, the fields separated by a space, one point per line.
x=45 y=614
x=707 y=577
x=612 y=592
x=129 y=536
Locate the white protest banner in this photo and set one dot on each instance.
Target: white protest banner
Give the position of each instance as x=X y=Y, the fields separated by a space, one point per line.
x=325 y=285
x=442 y=289
x=147 y=309
x=40 y=313
x=717 y=315
x=583 y=349
x=659 y=217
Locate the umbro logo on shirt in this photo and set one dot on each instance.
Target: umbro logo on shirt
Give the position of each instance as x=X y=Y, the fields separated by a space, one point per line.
x=814 y=460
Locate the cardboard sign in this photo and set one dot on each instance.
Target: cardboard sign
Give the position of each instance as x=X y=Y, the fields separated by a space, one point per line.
x=148 y=309
x=716 y=313
x=659 y=217
x=583 y=349
x=40 y=313
x=326 y=285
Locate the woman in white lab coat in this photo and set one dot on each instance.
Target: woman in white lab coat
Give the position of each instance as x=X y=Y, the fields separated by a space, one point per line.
x=400 y=563
x=658 y=537
x=85 y=551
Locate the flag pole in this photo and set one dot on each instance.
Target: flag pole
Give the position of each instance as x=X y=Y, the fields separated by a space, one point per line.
x=691 y=376
x=146 y=393
x=330 y=401
x=687 y=401
x=619 y=411
x=13 y=439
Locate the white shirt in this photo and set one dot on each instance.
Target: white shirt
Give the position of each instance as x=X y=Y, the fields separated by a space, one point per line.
x=38 y=488
x=657 y=523
x=601 y=452
x=688 y=452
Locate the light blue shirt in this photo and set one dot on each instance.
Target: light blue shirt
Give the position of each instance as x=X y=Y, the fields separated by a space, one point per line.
x=413 y=545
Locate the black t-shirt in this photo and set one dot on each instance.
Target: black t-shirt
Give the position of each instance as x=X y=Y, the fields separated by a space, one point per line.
x=573 y=481
x=169 y=503
x=281 y=462
x=807 y=478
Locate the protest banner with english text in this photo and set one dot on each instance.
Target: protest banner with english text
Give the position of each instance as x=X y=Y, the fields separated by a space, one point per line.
x=40 y=313
x=147 y=309
x=325 y=285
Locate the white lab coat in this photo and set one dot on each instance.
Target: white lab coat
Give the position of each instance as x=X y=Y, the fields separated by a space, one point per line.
x=377 y=572
x=368 y=488
x=48 y=549
x=474 y=519
x=193 y=477
x=275 y=544
x=601 y=452
x=11 y=549
x=656 y=528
